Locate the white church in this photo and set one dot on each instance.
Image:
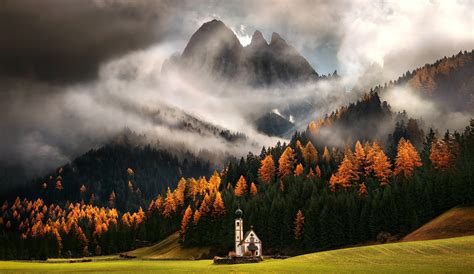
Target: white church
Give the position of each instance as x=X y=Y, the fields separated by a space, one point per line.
x=249 y=243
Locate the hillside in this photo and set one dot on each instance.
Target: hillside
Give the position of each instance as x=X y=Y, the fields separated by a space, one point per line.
x=436 y=256
x=170 y=248
x=456 y=222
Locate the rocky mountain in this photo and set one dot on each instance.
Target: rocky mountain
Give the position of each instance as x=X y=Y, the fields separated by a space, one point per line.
x=215 y=49
x=273 y=124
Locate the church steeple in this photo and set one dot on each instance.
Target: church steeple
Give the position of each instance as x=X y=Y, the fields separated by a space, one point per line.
x=239 y=232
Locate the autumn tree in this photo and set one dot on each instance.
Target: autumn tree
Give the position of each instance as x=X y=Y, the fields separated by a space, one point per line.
x=241 y=187
x=266 y=172
x=326 y=157
x=253 y=189
x=360 y=157
x=299 y=224
x=180 y=192
x=188 y=213
x=214 y=182
x=310 y=154
x=362 y=192
x=345 y=175
x=59 y=185
x=286 y=163
x=196 y=217
x=440 y=155
x=318 y=172
x=170 y=204
x=371 y=152
x=299 y=170
x=407 y=159
x=218 y=208
x=382 y=168
x=205 y=208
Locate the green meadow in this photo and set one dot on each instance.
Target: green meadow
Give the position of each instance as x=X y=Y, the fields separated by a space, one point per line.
x=454 y=255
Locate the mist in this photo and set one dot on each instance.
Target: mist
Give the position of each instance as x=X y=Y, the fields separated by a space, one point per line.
x=76 y=80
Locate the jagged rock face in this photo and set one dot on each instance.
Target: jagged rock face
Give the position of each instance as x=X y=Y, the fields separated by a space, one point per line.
x=215 y=48
x=275 y=62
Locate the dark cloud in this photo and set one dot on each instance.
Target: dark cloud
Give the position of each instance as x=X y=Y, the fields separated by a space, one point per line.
x=66 y=40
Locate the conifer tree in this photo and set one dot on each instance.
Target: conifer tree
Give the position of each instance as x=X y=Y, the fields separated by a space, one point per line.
x=170 y=204
x=299 y=170
x=345 y=175
x=240 y=187
x=318 y=172
x=218 y=208
x=180 y=192
x=382 y=168
x=326 y=157
x=440 y=155
x=253 y=189
x=286 y=163
x=185 y=221
x=407 y=159
x=299 y=225
x=310 y=154
x=266 y=172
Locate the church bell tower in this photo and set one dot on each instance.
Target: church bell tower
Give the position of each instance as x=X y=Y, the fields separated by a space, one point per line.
x=239 y=232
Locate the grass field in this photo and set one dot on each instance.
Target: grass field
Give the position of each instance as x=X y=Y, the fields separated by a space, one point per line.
x=169 y=248
x=456 y=222
x=454 y=255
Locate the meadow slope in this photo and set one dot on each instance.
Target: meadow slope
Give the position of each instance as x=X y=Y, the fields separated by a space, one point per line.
x=434 y=256
x=456 y=222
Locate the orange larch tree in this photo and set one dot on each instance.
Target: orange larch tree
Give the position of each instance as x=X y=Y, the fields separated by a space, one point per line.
x=241 y=187
x=299 y=225
x=360 y=157
x=205 y=208
x=185 y=221
x=218 y=208
x=363 y=190
x=407 y=159
x=326 y=157
x=214 y=182
x=299 y=170
x=440 y=155
x=180 y=192
x=170 y=204
x=318 y=172
x=382 y=168
x=371 y=151
x=286 y=163
x=253 y=189
x=266 y=172
x=196 y=217
x=310 y=154
x=345 y=175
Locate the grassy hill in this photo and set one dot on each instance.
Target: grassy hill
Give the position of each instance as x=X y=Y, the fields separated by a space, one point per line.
x=456 y=222
x=433 y=256
x=170 y=248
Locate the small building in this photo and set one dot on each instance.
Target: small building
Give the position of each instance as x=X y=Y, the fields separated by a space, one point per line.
x=249 y=243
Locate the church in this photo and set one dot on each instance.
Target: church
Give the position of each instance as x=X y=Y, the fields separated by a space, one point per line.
x=248 y=244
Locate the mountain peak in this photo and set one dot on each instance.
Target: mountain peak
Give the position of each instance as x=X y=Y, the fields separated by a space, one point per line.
x=277 y=40
x=257 y=39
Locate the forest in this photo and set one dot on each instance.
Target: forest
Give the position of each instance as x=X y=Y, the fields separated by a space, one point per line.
x=299 y=198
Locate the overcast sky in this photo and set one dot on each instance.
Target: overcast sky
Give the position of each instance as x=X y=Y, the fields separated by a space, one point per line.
x=61 y=61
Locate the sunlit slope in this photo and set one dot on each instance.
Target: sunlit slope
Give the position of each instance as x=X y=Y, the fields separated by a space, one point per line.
x=453 y=255
x=456 y=222
x=169 y=248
